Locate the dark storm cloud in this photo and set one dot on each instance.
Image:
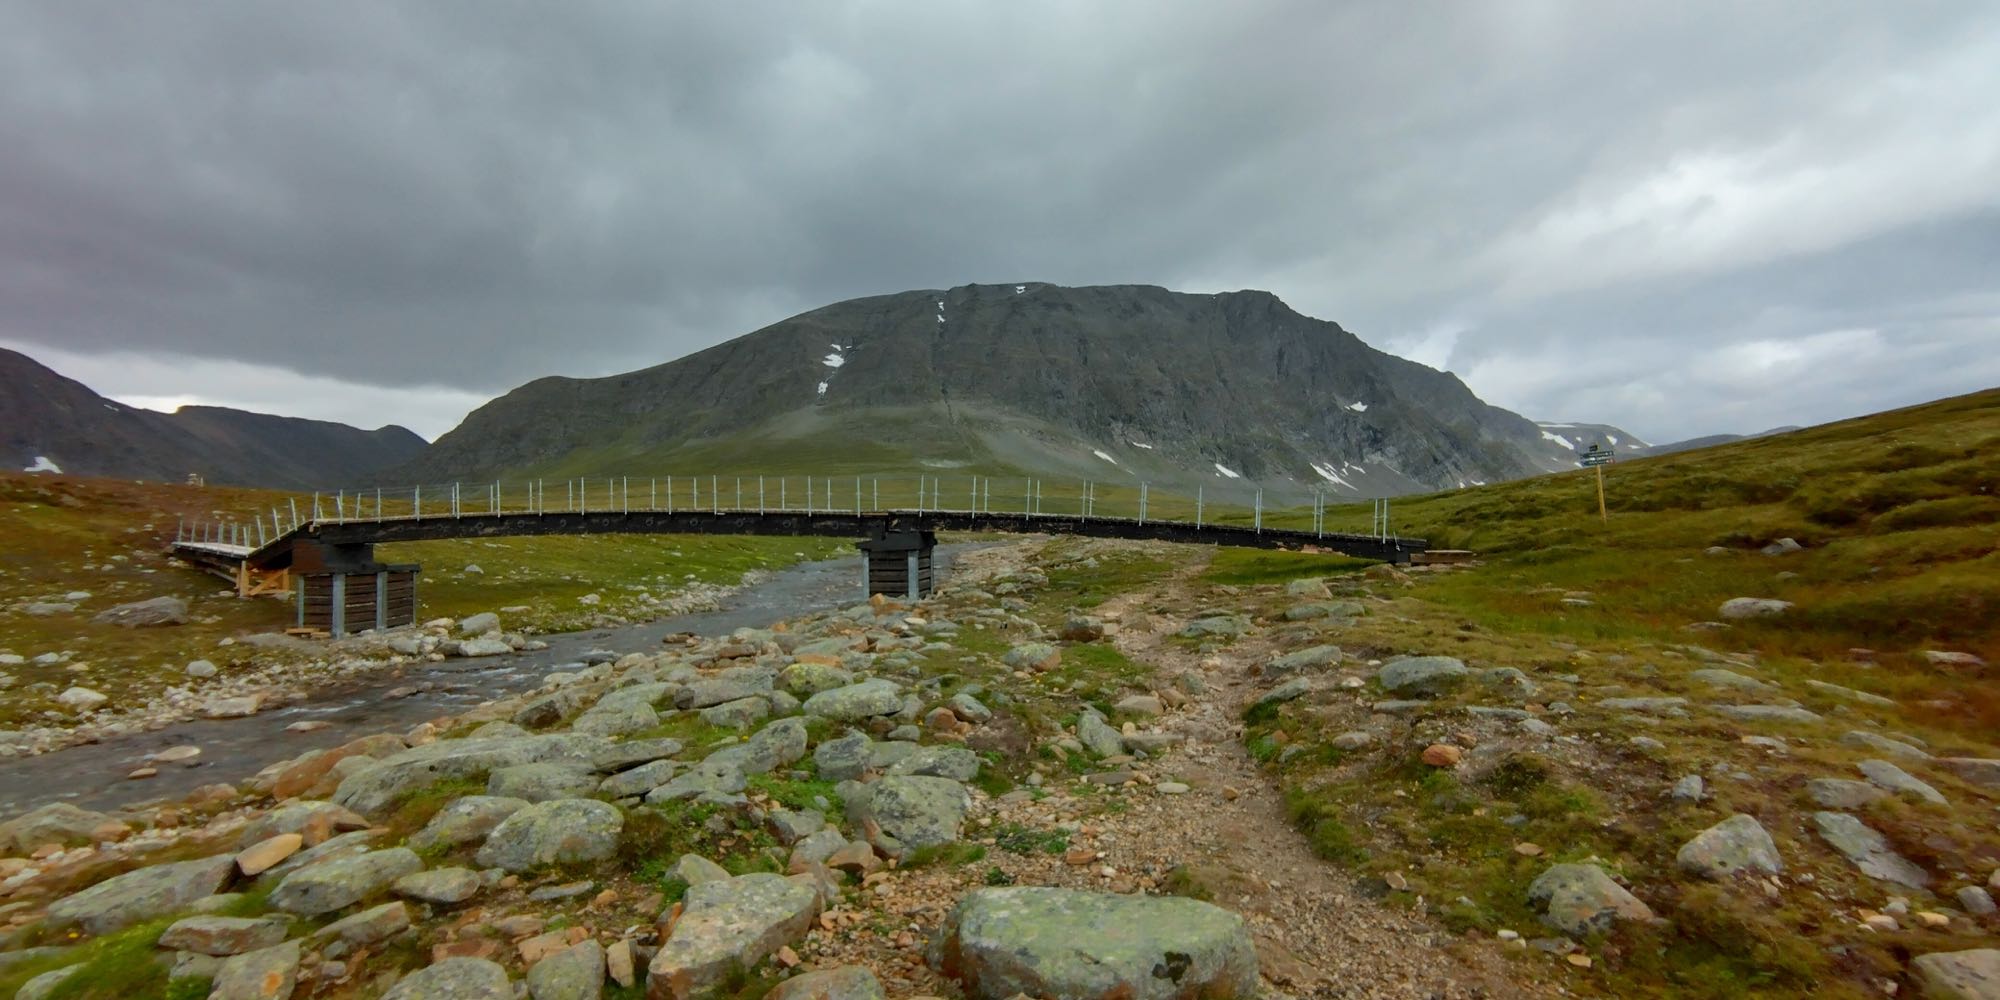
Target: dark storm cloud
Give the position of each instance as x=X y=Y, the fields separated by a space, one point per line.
x=1720 y=204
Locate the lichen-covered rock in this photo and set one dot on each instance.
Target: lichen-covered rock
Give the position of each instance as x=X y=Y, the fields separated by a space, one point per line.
x=544 y=782
x=708 y=778
x=842 y=759
x=956 y=763
x=145 y=614
x=266 y=974
x=1581 y=900
x=224 y=935
x=1310 y=658
x=1888 y=776
x=725 y=928
x=902 y=813
x=857 y=702
x=575 y=973
x=774 y=746
x=739 y=714
x=1097 y=736
x=808 y=679
x=639 y=780
x=55 y=823
x=1736 y=844
x=367 y=927
x=454 y=979
x=342 y=882
x=464 y=821
x=373 y=790
x=1869 y=850
x=565 y=831
x=439 y=886
x=1959 y=975
x=1423 y=676
x=1039 y=657
x=842 y=982
x=1738 y=608
x=145 y=894
x=1048 y=942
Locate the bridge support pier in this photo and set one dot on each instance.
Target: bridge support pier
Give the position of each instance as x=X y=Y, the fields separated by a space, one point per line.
x=342 y=589
x=899 y=564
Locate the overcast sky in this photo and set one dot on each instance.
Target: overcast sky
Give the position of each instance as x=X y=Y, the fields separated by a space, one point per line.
x=1681 y=218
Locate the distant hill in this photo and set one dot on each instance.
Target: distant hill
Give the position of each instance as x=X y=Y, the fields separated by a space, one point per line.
x=1711 y=440
x=1122 y=382
x=56 y=424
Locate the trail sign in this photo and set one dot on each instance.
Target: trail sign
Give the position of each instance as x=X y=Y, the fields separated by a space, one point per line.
x=1597 y=455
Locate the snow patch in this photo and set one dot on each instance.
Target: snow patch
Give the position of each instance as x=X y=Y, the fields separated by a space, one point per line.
x=1103 y=456
x=1358 y=407
x=833 y=361
x=1331 y=475
x=42 y=464
x=1136 y=444
x=822 y=388
x=1613 y=438
x=1559 y=439
x=1018 y=289
x=1227 y=471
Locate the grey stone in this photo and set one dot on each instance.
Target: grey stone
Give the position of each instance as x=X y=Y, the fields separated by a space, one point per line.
x=1730 y=679
x=739 y=714
x=842 y=759
x=808 y=679
x=616 y=720
x=546 y=710
x=1869 y=850
x=857 y=702
x=484 y=646
x=1974 y=899
x=266 y=974
x=1097 y=736
x=342 y=882
x=726 y=927
x=902 y=813
x=1311 y=658
x=1975 y=770
x=1736 y=844
x=44 y=985
x=464 y=821
x=368 y=927
x=1888 y=776
x=480 y=624
x=1841 y=793
x=695 y=870
x=440 y=886
x=1958 y=975
x=620 y=756
x=1650 y=706
x=639 y=780
x=818 y=846
x=1291 y=690
x=712 y=691
x=146 y=894
x=1768 y=713
x=1001 y=942
x=1581 y=900
x=791 y=826
x=1689 y=789
x=145 y=614
x=971 y=709
x=565 y=831
x=575 y=973
x=454 y=979
x=1850 y=694
x=224 y=935
x=374 y=790
x=1782 y=547
x=543 y=782
x=956 y=763
x=55 y=823
x=842 y=982
x=1216 y=626
x=1423 y=676
x=1882 y=744
x=1739 y=608
x=776 y=745
x=1033 y=656
x=705 y=778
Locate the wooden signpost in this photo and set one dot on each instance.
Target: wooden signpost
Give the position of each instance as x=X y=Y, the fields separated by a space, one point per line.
x=1597 y=458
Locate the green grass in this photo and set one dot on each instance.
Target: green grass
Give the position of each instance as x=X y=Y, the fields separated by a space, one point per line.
x=1247 y=567
x=116 y=966
x=1017 y=839
x=956 y=854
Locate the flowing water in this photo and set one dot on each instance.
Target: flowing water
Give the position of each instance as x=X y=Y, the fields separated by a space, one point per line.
x=94 y=775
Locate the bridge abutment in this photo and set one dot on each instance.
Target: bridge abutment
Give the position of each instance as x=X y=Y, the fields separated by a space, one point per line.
x=899 y=564
x=341 y=588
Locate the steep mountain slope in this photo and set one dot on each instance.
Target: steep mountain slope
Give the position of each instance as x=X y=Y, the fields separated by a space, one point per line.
x=1109 y=382
x=57 y=424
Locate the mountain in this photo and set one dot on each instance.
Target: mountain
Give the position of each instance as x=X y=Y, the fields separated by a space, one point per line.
x=1711 y=440
x=1117 y=382
x=56 y=424
x=1575 y=439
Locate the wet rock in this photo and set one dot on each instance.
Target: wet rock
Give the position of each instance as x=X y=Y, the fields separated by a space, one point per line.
x=1423 y=676
x=1001 y=942
x=575 y=973
x=1736 y=844
x=902 y=813
x=857 y=702
x=145 y=894
x=1869 y=850
x=544 y=782
x=464 y=821
x=439 y=887
x=342 y=882
x=1739 y=608
x=158 y=611
x=454 y=979
x=1581 y=900
x=1958 y=975
x=224 y=935
x=842 y=982
x=266 y=974
x=1888 y=776
x=565 y=831
x=725 y=927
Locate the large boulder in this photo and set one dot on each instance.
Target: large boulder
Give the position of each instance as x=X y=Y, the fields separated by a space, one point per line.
x=1739 y=608
x=575 y=973
x=1047 y=942
x=265 y=974
x=454 y=979
x=1423 y=676
x=342 y=882
x=725 y=928
x=903 y=813
x=55 y=823
x=145 y=614
x=1868 y=850
x=1736 y=844
x=956 y=763
x=774 y=746
x=137 y=896
x=224 y=935
x=374 y=789
x=857 y=702
x=543 y=782
x=842 y=759
x=565 y=831
x=1097 y=736
x=1581 y=900
x=842 y=982
x=1958 y=975
x=464 y=821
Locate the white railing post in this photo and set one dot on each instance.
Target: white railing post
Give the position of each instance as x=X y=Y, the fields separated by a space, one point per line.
x=760 y=495
x=1197 y=506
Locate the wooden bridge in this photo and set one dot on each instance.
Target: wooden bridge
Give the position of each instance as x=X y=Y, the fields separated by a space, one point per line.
x=326 y=557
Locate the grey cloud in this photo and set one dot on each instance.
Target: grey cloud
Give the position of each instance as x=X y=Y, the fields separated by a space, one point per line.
x=477 y=194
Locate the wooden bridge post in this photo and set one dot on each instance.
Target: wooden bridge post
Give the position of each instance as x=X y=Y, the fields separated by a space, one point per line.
x=899 y=564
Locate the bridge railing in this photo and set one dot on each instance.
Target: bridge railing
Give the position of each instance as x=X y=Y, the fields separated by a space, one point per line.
x=1312 y=509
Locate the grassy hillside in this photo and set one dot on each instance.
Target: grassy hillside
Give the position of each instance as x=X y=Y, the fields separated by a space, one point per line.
x=1901 y=527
